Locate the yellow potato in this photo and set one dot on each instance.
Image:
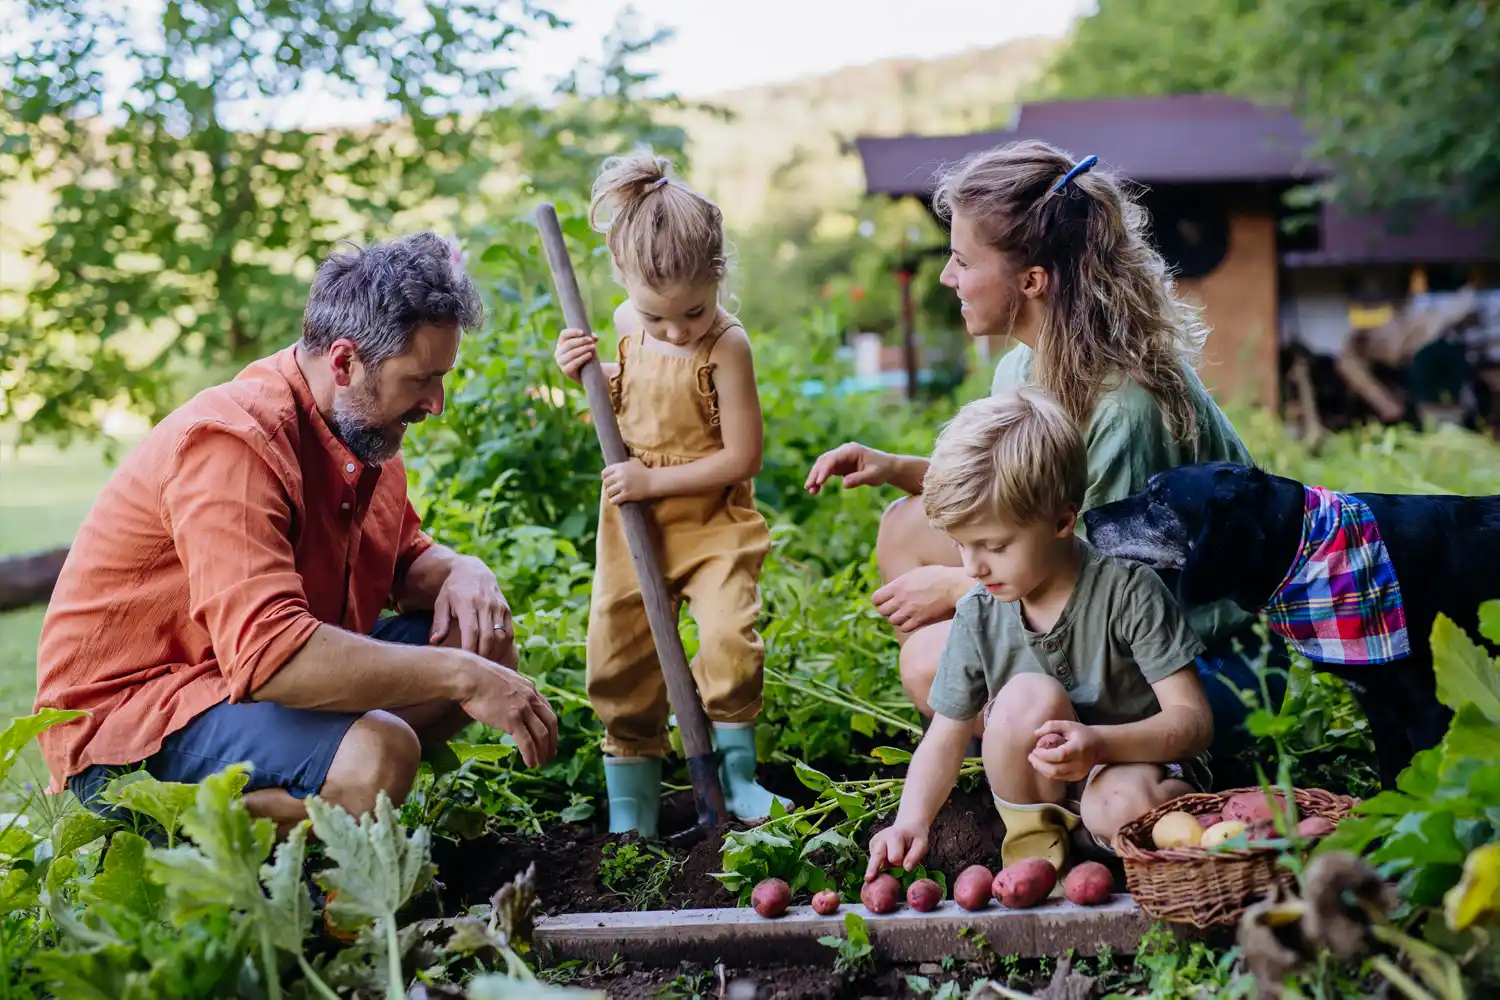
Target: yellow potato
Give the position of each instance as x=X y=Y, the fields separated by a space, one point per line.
x=1177 y=829
x=1220 y=832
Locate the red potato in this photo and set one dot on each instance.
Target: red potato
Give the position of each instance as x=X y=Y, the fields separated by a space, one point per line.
x=1250 y=807
x=972 y=889
x=881 y=895
x=924 y=895
x=1207 y=820
x=1025 y=883
x=1261 y=829
x=1088 y=884
x=1315 y=826
x=826 y=902
x=1050 y=741
x=771 y=897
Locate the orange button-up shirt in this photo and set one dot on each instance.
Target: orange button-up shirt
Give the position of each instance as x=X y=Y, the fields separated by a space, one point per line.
x=221 y=543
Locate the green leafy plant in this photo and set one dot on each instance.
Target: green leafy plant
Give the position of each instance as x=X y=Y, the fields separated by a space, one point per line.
x=854 y=950
x=640 y=876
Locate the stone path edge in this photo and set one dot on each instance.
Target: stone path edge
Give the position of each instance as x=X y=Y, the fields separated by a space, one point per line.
x=739 y=936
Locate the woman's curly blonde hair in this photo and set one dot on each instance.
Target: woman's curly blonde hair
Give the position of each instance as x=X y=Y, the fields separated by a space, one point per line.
x=1110 y=309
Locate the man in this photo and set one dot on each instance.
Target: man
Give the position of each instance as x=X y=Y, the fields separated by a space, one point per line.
x=221 y=601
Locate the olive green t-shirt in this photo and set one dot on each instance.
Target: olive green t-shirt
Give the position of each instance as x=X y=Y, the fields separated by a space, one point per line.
x=1128 y=443
x=1120 y=632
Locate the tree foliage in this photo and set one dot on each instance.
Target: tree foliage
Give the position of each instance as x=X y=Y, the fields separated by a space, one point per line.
x=1397 y=94
x=193 y=197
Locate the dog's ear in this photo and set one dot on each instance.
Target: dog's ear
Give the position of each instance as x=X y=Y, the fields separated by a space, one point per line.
x=1228 y=552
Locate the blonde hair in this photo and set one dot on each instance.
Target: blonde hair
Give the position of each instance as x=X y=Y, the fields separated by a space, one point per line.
x=657 y=229
x=1110 y=308
x=1015 y=456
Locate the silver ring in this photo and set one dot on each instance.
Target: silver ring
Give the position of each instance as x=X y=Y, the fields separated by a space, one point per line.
x=497 y=628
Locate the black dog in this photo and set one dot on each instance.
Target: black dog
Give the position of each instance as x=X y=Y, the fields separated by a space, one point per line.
x=1231 y=531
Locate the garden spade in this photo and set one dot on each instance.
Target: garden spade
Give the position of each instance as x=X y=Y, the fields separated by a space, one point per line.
x=640 y=534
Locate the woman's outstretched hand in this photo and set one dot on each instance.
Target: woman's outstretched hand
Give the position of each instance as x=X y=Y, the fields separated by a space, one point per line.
x=854 y=463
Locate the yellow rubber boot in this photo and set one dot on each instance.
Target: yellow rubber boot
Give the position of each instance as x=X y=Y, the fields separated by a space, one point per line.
x=1035 y=831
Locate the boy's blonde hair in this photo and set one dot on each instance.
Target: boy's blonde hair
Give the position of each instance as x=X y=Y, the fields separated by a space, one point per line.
x=1015 y=456
x=1110 y=307
x=658 y=230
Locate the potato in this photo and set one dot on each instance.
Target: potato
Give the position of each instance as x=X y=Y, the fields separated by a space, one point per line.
x=771 y=897
x=1207 y=820
x=924 y=895
x=1261 y=829
x=1088 y=884
x=1050 y=741
x=1315 y=826
x=972 y=889
x=1220 y=832
x=1025 y=883
x=826 y=902
x=881 y=895
x=1177 y=829
x=1248 y=807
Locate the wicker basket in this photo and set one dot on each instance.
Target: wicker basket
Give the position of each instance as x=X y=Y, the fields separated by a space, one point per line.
x=1202 y=888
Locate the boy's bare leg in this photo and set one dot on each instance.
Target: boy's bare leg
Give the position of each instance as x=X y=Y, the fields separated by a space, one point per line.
x=1023 y=704
x=1122 y=792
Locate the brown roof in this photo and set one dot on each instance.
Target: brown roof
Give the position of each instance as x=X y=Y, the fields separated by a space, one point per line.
x=1186 y=138
x=1431 y=237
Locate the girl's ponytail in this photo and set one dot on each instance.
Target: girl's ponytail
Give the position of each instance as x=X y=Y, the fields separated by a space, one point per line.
x=658 y=230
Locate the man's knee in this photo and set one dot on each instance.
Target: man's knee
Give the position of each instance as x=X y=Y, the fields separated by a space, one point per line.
x=380 y=752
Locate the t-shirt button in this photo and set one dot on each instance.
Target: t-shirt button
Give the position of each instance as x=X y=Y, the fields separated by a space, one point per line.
x=1051 y=645
x=349 y=467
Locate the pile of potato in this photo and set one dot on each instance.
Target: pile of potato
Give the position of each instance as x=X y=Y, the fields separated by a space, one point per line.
x=1248 y=813
x=1022 y=885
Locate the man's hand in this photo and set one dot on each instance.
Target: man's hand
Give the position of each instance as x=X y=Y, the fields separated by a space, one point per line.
x=1081 y=749
x=509 y=702
x=854 y=463
x=626 y=481
x=897 y=846
x=919 y=597
x=470 y=598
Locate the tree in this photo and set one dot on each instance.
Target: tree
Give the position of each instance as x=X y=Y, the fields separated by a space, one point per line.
x=190 y=209
x=1150 y=48
x=1398 y=94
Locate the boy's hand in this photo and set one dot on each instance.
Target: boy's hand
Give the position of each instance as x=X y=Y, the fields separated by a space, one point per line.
x=1081 y=749
x=626 y=481
x=575 y=349
x=896 y=846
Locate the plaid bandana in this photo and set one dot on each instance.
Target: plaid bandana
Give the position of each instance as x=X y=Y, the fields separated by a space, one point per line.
x=1340 y=601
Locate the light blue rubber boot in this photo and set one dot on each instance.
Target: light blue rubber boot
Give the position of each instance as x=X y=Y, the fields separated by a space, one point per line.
x=743 y=795
x=634 y=788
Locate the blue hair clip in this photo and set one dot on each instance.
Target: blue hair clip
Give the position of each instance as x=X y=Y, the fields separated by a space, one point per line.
x=1083 y=167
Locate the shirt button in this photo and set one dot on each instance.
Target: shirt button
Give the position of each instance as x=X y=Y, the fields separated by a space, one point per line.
x=349 y=467
x=345 y=505
x=1051 y=645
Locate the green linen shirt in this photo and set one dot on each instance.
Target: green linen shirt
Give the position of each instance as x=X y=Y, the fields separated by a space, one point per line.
x=1120 y=632
x=1128 y=443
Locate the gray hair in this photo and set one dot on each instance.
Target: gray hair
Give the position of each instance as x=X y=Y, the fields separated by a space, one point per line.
x=377 y=296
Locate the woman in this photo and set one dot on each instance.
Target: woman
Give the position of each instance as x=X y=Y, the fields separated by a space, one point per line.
x=1055 y=255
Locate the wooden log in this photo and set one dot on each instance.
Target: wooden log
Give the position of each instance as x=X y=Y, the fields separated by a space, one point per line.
x=28 y=579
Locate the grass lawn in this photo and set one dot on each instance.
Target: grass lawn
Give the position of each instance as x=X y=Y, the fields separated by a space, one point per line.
x=46 y=494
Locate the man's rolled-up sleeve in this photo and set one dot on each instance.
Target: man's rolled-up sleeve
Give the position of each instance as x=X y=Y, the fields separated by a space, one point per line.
x=230 y=520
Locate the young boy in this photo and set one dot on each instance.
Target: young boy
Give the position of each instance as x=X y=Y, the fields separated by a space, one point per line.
x=1054 y=641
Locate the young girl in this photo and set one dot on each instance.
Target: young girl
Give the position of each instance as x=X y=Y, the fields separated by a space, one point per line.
x=684 y=392
x=1053 y=252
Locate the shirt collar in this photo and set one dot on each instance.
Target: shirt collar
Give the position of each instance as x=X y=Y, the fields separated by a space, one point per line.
x=350 y=468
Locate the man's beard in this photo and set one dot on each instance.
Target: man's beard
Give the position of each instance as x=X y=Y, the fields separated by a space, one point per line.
x=372 y=442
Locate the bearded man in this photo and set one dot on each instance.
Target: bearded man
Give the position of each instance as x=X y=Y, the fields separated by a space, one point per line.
x=222 y=601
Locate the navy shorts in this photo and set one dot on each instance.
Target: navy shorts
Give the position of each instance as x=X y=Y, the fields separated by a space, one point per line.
x=290 y=748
